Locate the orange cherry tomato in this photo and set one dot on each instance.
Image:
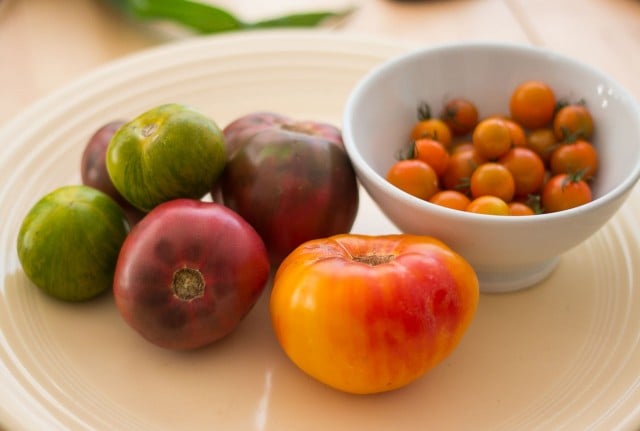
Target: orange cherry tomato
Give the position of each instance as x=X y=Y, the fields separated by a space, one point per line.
x=432 y=153
x=461 y=146
x=532 y=104
x=564 y=191
x=517 y=134
x=572 y=122
x=490 y=205
x=491 y=138
x=520 y=209
x=433 y=128
x=543 y=142
x=461 y=115
x=451 y=199
x=527 y=169
x=461 y=165
x=492 y=179
x=579 y=156
x=414 y=177
x=369 y=314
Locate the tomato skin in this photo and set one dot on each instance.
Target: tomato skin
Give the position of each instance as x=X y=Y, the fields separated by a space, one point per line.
x=168 y=152
x=183 y=238
x=527 y=168
x=563 y=192
x=415 y=177
x=69 y=241
x=461 y=115
x=432 y=153
x=291 y=180
x=532 y=104
x=93 y=168
x=490 y=205
x=570 y=158
x=573 y=121
x=493 y=179
x=492 y=138
x=372 y=327
x=432 y=128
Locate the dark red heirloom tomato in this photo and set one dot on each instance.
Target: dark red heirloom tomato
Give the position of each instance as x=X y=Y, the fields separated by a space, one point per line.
x=93 y=168
x=188 y=273
x=291 y=180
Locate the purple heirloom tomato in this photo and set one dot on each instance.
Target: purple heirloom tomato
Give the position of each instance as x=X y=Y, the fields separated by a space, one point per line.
x=291 y=180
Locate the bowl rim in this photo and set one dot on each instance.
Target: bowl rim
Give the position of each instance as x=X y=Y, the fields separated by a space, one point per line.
x=363 y=168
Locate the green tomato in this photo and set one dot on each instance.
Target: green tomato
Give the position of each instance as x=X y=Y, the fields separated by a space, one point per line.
x=169 y=152
x=69 y=242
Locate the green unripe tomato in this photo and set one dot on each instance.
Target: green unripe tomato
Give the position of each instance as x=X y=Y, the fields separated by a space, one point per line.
x=69 y=242
x=169 y=152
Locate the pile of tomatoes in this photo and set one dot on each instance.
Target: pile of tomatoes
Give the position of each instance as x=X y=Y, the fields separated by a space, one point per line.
x=538 y=159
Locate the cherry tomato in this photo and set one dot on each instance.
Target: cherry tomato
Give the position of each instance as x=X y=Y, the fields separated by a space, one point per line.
x=369 y=314
x=493 y=179
x=461 y=165
x=572 y=122
x=491 y=138
x=432 y=153
x=461 y=115
x=564 y=191
x=490 y=205
x=517 y=134
x=451 y=199
x=460 y=146
x=543 y=142
x=527 y=169
x=429 y=127
x=532 y=104
x=414 y=177
x=579 y=156
x=520 y=209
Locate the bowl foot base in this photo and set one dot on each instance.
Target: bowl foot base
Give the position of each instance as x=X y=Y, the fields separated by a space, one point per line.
x=516 y=279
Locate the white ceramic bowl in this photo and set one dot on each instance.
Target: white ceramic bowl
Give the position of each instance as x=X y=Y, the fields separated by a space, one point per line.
x=508 y=253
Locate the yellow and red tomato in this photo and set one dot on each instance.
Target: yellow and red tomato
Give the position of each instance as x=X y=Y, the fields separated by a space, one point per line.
x=368 y=314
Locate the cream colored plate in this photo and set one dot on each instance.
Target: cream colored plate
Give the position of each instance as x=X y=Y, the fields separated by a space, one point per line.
x=562 y=355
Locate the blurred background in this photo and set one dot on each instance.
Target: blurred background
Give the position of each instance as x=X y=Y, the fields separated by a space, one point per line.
x=45 y=44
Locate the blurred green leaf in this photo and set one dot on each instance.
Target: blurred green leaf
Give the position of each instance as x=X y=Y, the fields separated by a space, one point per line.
x=206 y=18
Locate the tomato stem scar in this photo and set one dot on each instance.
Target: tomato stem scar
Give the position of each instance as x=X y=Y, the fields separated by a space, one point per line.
x=187 y=284
x=374 y=259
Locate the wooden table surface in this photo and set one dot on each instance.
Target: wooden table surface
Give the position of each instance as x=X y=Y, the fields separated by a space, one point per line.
x=46 y=44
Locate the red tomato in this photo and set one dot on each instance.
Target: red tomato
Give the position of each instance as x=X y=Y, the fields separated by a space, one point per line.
x=367 y=314
x=188 y=273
